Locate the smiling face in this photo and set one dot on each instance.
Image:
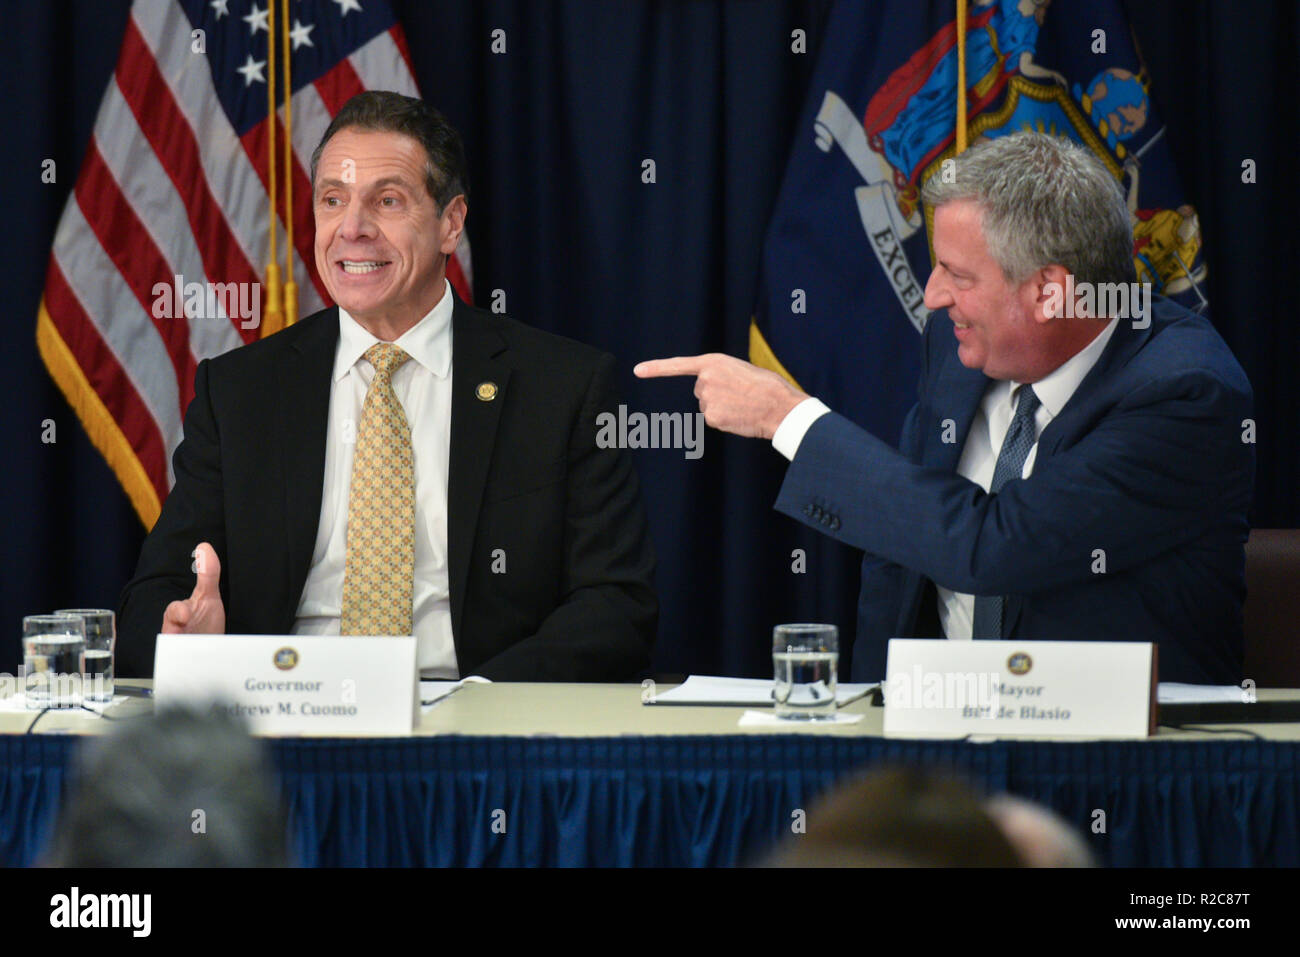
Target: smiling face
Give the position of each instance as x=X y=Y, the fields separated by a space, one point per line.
x=381 y=242
x=998 y=324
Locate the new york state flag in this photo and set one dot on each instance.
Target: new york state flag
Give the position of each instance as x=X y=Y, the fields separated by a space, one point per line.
x=847 y=252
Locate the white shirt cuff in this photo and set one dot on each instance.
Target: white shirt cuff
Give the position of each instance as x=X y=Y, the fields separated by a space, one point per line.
x=796 y=424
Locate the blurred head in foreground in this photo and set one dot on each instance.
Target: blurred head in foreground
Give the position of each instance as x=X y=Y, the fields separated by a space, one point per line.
x=180 y=788
x=1040 y=837
x=917 y=817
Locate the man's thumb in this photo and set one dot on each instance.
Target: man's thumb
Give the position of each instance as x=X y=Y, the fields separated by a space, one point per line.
x=207 y=569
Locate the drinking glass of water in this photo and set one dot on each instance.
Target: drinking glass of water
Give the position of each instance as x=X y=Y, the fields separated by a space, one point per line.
x=97 y=665
x=805 y=659
x=52 y=649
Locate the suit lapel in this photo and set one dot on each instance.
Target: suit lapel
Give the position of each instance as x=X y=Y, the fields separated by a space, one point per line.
x=956 y=394
x=302 y=414
x=959 y=393
x=1079 y=412
x=479 y=385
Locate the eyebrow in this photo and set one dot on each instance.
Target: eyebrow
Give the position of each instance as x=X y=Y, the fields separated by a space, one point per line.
x=377 y=184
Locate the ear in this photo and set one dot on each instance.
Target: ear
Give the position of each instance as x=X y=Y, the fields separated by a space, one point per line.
x=453 y=224
x=1052 y=293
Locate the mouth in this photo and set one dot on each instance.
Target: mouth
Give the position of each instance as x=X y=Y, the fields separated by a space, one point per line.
x=362 y=267
x=959 y=329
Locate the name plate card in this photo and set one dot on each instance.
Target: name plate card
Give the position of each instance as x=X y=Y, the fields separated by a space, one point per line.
x=294 y=684
x=1020 y=689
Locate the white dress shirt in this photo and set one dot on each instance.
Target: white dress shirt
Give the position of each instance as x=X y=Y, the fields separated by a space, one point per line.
x=983 y=443
x=423 y=387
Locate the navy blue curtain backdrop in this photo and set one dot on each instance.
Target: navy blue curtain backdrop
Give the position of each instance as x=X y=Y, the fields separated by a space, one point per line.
x=704 y=801
x=556 y=131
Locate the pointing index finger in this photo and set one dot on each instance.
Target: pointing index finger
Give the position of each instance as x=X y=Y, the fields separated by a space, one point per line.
x=678 y=365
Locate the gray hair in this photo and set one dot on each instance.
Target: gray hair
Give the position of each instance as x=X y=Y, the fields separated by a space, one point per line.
x=139 y=791
x=1043 y=200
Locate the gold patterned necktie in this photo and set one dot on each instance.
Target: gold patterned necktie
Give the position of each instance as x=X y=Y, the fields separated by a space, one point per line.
x=379 y=576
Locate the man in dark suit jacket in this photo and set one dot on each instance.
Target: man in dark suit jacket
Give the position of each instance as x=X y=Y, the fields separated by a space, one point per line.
x=546 y=566
x=1124 y=515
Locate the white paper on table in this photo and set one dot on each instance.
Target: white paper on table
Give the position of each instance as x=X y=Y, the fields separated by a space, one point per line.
x=767 y=719
x=431 y=692
x=1173 y=692
x=16 y=703
x=738 y=692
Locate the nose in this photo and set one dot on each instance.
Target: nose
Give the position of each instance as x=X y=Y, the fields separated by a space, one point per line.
x=356 y=223
x=937 y=295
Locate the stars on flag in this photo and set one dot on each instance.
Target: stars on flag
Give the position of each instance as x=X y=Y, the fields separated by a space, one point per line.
x=256 y=19
x=252 y=71
x=299 y=34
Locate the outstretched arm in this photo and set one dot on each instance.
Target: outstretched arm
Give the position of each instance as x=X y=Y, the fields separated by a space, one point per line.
x=1154 y=474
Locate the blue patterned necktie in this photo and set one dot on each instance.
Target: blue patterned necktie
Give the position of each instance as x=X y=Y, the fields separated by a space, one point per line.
x=1019 y=440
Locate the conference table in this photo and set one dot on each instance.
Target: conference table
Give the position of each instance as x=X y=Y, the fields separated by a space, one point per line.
x=589 y=775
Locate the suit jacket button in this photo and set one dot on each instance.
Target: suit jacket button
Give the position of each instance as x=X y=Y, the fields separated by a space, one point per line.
x=835 y=522
x=808 y=510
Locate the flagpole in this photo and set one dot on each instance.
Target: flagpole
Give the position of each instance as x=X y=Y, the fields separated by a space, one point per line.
x=961 y=75
x=272 y=317
x=290 y=286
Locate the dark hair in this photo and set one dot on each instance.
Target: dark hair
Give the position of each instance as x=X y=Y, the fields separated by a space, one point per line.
x=139 y=792
x=384 y=111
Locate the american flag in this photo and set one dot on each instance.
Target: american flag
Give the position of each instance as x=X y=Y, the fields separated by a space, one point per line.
x=175 y=182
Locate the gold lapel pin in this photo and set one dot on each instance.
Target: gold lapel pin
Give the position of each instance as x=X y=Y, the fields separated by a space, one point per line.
x=486 y=391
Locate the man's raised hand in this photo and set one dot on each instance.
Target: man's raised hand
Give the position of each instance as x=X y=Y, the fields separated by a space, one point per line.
x=202 y=613
x=734 y=395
